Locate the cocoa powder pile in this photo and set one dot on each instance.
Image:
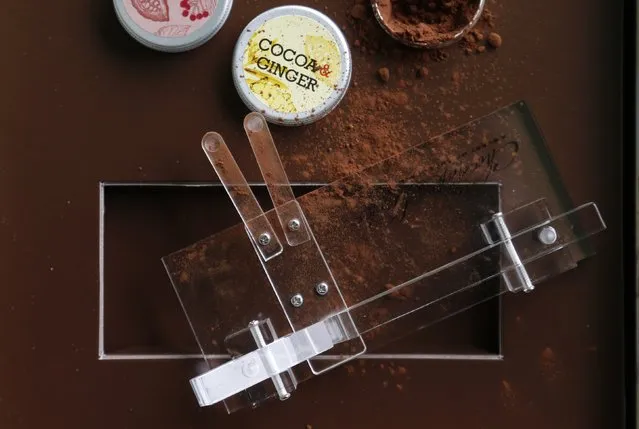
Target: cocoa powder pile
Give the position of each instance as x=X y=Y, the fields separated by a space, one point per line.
x=430 y=22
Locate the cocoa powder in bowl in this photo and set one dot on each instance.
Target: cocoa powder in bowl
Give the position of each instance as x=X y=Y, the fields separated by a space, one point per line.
x=428 y=23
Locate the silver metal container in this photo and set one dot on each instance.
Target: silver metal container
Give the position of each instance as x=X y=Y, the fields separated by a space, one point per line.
x=172 y=25
x=292 y=64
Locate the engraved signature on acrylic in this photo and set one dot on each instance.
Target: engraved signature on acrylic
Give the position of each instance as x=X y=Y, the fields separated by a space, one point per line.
x=485 y=159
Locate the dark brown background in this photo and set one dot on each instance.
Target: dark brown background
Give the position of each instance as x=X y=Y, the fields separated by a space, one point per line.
x=83 y=102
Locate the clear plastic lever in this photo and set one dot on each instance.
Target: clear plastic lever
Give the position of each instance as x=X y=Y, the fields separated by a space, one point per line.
x=257 y=224
x=288 y=209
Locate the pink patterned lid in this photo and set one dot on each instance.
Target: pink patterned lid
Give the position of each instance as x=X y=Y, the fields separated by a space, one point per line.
x=172 y=25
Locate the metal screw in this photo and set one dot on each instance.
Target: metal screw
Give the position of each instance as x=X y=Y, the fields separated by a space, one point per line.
x=294 y=224
x=265 y=238
x=322 y=289
x=297 y=300
x=547 y=235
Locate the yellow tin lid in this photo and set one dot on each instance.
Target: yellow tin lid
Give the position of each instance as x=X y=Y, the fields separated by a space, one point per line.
x=292 y=64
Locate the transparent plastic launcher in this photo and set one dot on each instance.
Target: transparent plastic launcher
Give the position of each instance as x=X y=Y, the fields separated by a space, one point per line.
x=321 y=279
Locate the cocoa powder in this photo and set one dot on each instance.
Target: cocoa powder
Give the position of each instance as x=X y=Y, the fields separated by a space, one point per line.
x=430 y=22
x=494 y=40
x=399 y=96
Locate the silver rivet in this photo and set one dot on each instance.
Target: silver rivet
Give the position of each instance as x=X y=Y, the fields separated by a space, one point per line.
x=265 y=238
x=322 y=288
x=294 y=224
x=297 y=300
x=547 y=235
x=251 y=368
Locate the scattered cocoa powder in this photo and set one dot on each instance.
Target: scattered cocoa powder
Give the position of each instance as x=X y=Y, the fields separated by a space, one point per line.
x=384 y=74
x=475 y=40
x=365 y=129
x=438 y=55
x=429 y=22
x=507 y=394
x=506 y=388
x=494 y=40
x=548 y=357
x=550 y=367
x=403 y=293
x=376 y=121
x=358 y=11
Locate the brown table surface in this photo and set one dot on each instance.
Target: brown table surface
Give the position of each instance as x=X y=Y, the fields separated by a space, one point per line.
x=83 y=102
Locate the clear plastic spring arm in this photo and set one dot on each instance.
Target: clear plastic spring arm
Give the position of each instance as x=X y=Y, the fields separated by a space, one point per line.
x=257 y=225
x=288 y=209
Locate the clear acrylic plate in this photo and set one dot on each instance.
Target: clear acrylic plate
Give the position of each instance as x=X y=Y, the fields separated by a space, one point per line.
x=394 y=256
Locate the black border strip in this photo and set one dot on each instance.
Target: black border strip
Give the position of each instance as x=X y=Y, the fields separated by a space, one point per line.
x=629 y=212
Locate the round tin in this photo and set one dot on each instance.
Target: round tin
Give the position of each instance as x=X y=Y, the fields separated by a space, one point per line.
x=172 y=25
x=292 y=64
